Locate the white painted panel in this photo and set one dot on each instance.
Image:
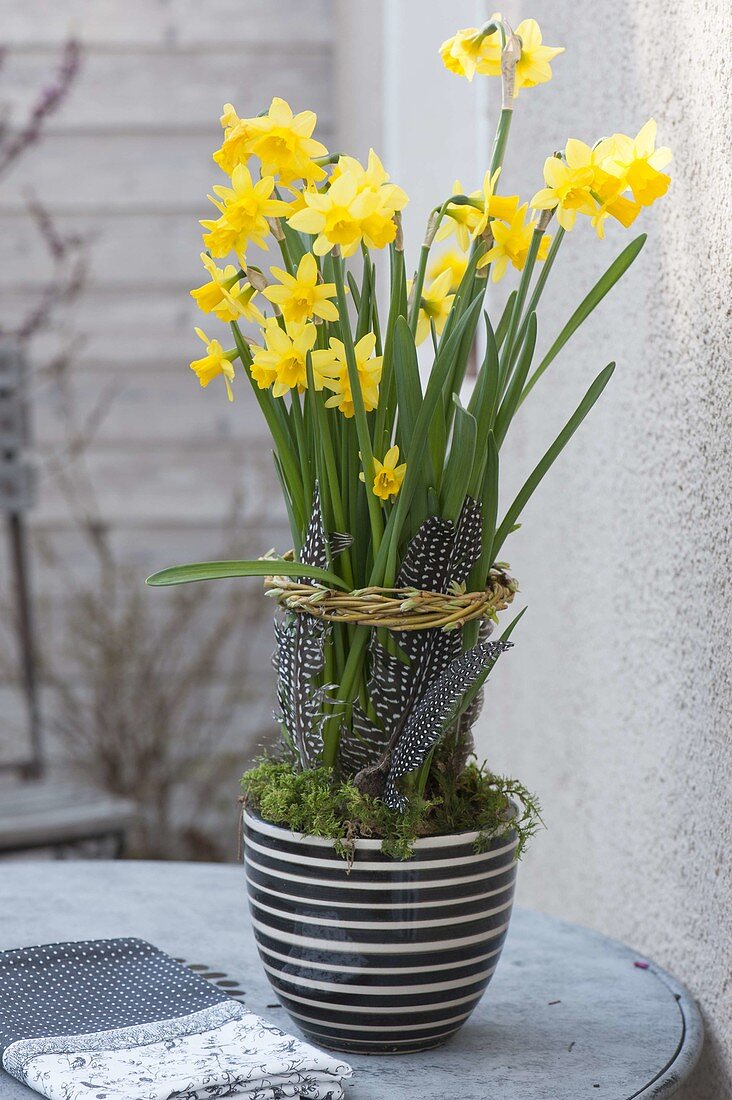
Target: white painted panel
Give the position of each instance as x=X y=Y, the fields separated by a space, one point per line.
x=148 y=484
x=146 y=549
x=172 y=88
x=127 y=161
x=123 y=252
x=140 y=23
x=152 y=403
x=149 y=328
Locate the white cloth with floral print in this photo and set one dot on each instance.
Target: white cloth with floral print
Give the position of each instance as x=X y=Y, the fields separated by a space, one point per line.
x=243 y=1057
x=121 y=1020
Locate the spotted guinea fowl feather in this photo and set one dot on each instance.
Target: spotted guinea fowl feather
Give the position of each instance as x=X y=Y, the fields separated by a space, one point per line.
x=439 y=555
x=435 y=712
x=364 y=746
x=300 y=657
x=471 y=714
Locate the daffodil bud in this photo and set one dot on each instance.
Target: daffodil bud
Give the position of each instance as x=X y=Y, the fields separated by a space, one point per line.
x=399 y=238
x=510 y=55
x=432 y=227
x=257 y=278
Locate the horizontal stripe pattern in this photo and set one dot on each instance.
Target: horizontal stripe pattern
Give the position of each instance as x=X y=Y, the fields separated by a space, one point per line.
x=383 y=955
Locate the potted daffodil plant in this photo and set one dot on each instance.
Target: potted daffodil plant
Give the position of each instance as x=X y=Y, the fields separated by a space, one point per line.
x=380 y=855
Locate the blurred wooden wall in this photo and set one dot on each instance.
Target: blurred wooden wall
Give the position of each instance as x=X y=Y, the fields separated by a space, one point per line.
x=126 y=162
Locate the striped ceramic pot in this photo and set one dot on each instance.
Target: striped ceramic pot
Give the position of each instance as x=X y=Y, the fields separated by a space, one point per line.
x=389 y=957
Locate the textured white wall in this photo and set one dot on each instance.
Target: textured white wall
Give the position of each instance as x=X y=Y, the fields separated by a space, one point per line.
x=616 y=704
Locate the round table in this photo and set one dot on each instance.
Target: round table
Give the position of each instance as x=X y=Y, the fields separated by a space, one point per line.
x=569 y=1014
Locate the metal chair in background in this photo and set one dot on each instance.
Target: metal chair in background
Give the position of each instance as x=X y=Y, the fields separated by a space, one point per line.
x=37 y=811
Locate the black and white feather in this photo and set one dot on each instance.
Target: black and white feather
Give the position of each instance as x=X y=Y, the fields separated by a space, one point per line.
x=437 y=710
x=414 y=687
x=440 y=555
x=364 y=745
x=300 y=658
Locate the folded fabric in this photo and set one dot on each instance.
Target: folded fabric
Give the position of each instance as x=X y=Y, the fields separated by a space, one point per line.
x=121 y=1020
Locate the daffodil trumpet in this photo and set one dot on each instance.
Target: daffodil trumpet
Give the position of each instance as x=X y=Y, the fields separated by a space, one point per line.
x=384 y=447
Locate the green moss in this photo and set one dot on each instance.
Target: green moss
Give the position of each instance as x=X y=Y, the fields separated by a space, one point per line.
x=315 y=803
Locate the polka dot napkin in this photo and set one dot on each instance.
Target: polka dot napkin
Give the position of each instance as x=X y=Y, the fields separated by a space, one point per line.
x=121 y=1020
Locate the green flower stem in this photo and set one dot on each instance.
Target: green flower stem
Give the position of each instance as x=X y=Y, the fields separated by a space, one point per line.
x=384 y=424
x=279 y=426
x=348 y=689
x=544 y=275
x=498 y=152
x=418 y=287
x=536 y=294
x=362 y=427
x=500 y=140
x=286 y=255
x=375 y=323
x=432 y=226
x=302 y=446
x=332 y=486
x=512 y=343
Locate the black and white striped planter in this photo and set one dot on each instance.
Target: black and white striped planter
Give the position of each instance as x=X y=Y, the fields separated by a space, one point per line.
x=392 y=957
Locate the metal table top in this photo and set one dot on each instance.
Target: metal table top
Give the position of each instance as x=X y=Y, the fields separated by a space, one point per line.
x=568 y=1014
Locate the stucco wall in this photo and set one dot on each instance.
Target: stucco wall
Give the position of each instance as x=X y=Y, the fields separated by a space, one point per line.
x=616 y=704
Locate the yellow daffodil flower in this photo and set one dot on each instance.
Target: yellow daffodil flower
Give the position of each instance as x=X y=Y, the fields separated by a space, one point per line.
x=244 y=208
x=453 y=261
x=465 y=220
x=494 y=206
x=216 y=361
x=638 y=163
x=460 y=220
x=569 y=186
x=592 y=180
x=237 y=144
x=542 y=250
x=298 y=201
x=282 y=362
x=435 y=306
x=470 y=51
x=614 y=204
x=606 y=188
x=225 y=296
x=511 y=243
x=300 y=296
x=242 y=305
x=355 y=207
x=229 y=118
x=334 y=217
x=373 y=177
x=533 y=65
x=369 y=375
x=378 y=227
x=285 y=145
x=388 y=477
x=282 y=141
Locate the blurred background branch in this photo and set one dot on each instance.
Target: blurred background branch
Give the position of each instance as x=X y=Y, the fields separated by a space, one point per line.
x=140 y=698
